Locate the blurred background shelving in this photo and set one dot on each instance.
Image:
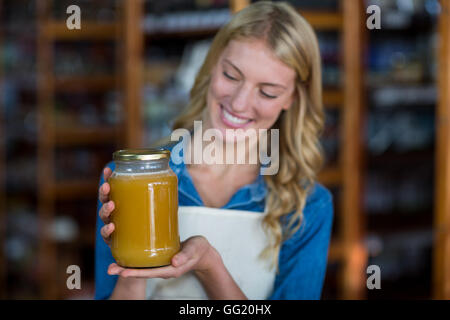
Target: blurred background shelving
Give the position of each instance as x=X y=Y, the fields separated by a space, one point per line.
x=62 y=119
x=3 y=271
x=402 y=97
x=18 y=102
x=70 y=98
x=441 y=223
x=80 y=125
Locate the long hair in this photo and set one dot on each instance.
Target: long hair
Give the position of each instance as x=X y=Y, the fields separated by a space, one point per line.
x=294 y=42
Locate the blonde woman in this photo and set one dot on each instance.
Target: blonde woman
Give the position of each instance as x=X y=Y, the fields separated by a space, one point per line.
x=262 y=72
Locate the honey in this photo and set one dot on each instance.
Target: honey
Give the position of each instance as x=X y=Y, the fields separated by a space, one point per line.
x=145 y=215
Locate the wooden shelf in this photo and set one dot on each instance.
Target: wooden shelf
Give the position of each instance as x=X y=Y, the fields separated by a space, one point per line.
x=401 y=160
x=66 y=136
x=323 y=21
x=83 y=83
x=331 y=176
x=397 y=221
x=67 y=190
x=51 y=136
x=335 y=251
x=57 y=30
x=352 y=230
x=193 y=33
x=333 y=98
x=441 y=252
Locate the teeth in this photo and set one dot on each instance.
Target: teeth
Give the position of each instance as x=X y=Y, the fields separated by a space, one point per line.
x=233 y=119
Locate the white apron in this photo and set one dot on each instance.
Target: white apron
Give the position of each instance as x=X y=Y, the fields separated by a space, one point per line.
x=239 y=238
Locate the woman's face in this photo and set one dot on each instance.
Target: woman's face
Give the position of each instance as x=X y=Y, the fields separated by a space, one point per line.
x=249 y=87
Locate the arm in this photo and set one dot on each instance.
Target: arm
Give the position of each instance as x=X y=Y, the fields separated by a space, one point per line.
x=303 y=257
x=129 y=288
x=218 y=282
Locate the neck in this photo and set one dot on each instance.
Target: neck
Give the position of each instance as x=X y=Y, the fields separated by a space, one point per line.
x=214 y=157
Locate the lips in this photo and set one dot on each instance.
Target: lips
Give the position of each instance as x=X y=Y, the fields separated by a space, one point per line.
x=232 y=120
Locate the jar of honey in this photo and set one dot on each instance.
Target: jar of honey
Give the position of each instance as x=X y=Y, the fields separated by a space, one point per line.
x=145 y=194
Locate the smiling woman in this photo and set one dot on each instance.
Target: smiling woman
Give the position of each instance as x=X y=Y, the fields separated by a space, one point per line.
x=266 y=47
x=262 y=72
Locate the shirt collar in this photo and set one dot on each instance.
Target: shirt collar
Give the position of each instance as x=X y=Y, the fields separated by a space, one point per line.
x=251 y=193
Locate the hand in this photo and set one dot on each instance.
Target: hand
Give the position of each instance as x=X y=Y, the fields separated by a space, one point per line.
x=107 y=207
x=196 y=254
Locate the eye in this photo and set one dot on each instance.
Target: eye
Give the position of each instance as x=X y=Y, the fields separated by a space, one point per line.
x=267 y=95
x=228 y=76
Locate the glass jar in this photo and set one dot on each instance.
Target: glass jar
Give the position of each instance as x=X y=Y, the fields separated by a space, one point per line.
x=145 y=194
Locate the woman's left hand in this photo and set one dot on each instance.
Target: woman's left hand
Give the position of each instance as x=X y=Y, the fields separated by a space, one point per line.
x=196 y=254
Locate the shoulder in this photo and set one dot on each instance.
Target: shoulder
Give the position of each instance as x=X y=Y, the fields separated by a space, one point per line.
x=319 y=197
x=318 y=209
x=317 y=215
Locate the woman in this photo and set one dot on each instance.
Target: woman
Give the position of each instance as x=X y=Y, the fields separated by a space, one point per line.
x=262 y=72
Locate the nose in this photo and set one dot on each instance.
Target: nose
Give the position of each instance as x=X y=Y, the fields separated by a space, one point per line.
x=242 y=98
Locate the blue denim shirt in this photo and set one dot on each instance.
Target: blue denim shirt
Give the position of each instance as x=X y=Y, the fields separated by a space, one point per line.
x=302 y=258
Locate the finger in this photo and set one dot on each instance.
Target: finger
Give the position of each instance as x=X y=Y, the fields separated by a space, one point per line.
x=103 y=192
x=179 y=259
x=106 y=231
x=105 y=212
x=191 y=248
x=165 y=272
x=162 y=272
x=107 y=173
x=115 y=269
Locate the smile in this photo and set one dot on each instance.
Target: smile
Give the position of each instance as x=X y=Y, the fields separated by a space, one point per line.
x=232 y=120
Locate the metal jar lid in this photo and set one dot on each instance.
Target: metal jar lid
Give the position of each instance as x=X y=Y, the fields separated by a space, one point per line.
x=141 y=154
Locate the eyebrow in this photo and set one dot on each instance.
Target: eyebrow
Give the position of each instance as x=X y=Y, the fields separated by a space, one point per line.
x=264 y=83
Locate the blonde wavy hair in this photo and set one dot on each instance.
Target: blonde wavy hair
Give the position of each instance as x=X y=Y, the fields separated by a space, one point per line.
x=294 y=42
